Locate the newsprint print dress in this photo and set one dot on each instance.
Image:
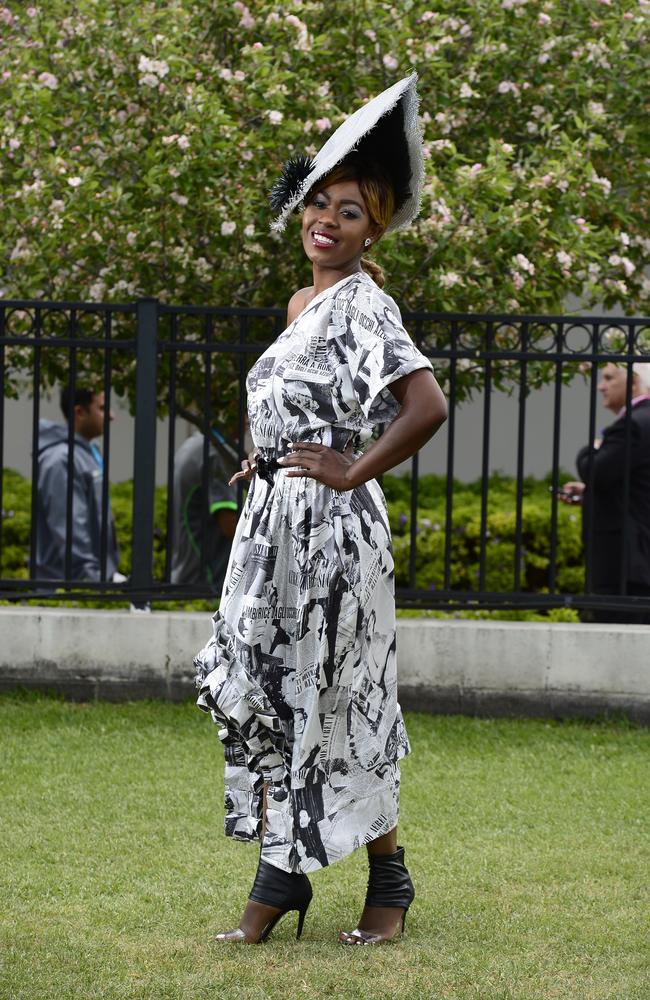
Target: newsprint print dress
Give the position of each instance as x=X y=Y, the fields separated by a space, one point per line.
x=300 y=674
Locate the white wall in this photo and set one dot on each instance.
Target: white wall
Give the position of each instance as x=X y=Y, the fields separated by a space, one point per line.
x=468 y=667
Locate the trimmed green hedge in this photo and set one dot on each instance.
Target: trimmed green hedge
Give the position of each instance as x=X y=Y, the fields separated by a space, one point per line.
x=466 y=535
x=465 y=550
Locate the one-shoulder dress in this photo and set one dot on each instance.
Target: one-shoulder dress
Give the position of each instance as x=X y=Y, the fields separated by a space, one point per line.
x=300 y=673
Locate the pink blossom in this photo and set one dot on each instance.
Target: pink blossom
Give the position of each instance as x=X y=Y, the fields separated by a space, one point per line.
x=158 y=67
x=322 y=124
x=602 y=182
x=228 y=228
x=475 y=167
x=74 y=182
x=32 y=12
x=14 y=143
x=183 y=142
x=180 y=199
x=257 y=45
x=275 y=117
x=247 y=19
x=249 y=230
x=48 y=80
x=522 y=261
x=440 y=214
x=543 y=19
x=389 y=61
x=301 y=27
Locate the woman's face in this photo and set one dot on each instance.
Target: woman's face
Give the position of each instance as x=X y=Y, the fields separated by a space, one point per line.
x=335 y=224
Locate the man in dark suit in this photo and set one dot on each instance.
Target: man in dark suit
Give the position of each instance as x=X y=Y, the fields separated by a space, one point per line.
x=601 y=494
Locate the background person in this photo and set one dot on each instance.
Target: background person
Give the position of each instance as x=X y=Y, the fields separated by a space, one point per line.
x=52 y=493
x=301 y=684
x=603 y=503
x=192 y=534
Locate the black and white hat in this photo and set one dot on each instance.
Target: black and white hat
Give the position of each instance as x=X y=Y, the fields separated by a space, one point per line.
x=385 y=130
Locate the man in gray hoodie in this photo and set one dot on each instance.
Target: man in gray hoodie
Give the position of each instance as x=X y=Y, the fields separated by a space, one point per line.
x=88 y=475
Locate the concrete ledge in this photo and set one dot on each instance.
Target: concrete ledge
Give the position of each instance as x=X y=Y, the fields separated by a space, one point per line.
x=553 y=670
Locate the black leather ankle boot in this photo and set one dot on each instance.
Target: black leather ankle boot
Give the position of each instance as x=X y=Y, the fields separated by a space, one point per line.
x=390 y=893
x=276 y=888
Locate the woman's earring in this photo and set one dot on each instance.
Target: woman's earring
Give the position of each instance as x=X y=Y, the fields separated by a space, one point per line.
x=367 y=241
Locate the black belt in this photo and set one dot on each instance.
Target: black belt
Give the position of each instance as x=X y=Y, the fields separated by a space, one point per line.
x=267 y=467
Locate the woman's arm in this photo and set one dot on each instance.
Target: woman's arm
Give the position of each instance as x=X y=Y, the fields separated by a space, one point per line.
x=423 y=411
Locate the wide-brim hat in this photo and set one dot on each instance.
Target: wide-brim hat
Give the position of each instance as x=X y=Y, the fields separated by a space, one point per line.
x=387 y=131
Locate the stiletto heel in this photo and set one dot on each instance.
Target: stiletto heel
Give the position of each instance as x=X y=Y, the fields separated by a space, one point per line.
x=389 y=887
x=301 y=919
x=284 y=891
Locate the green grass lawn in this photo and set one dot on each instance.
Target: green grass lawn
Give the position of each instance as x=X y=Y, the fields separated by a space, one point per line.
x=527 y=841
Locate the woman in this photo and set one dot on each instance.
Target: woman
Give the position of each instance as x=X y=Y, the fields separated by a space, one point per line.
x=300 y=673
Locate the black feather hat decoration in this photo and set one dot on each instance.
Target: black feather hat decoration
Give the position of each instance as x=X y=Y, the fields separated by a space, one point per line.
x=290 y=181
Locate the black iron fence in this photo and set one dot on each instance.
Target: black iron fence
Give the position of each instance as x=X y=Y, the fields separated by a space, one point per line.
x=191 y=362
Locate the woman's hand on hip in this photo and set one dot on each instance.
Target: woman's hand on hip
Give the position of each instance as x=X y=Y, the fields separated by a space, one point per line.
x=248 y=469
x=317 y=461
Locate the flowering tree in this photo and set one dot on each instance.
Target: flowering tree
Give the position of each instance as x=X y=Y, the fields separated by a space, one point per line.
x=140 y=141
